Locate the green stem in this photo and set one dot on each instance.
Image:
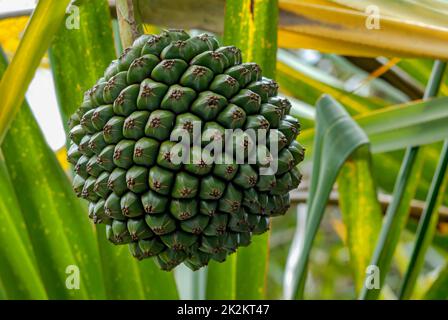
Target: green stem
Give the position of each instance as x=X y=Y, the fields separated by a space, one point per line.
x=426 y=227
x=388 y=240
x=129 y=22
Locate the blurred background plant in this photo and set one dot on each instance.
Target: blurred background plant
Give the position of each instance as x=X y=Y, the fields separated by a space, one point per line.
x=324 y=47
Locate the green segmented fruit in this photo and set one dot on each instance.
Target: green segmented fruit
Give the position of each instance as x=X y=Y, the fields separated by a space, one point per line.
x=179 y=240
x=86 y=121
x=97 y=142
x=212 y=188
x=81 y=166
x=230 y=202
x=100 y=187
x=83 y=146
x=123 y=153
x=138 y=229
x=232 y=53
x=126 y=102
x=161 y=224
x=154 y=202
x=200 y=163
x=240 y=73
x=151 y=94
x=150 y=247
x=141 y=67
x=214 y=60
x=225 y=85
x=178 y=99
x=134 y=125
x=208 y=208
x=160 y=180
x=144 y=151
x=106 y=158
x=96 y=92
x=99 y=214
x=195 y=225
x=137 y=179
x=111 y=70
x=125 y=140
x=232 y=117
x=131 y=205
x=169 y=71
x=114 y=86
x=185 y=186
x=78 y=184
x=165 y=156
x=159 y=125
x=217 y=225
x=208 y=105
x=101 y=115
x=113 y=130
x=197 y=78
x=117 y=181
x=76 y=134
x=247 y=100
x=246 y=177
x=93 y=168
x=73 y=154
x=118 y=232
x=112 y=207
x=227 y=169
x=183 y=209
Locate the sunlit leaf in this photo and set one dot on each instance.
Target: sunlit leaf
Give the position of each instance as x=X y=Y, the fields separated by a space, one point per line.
x=337 y=137
x=361 y=211
x=221 y=279
x=329 y=28
x=18 y=270
x=38 y=35
x=398 y=127
x=54 y=218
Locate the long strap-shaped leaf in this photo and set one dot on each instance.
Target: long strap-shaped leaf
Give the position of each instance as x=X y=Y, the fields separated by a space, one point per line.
x=397 y=211
x=360 y=210
x=44 y=23
x=337 y=137
x=18 y=269
x=221 y=280
x=322 y=26
x=55 y=220
x=79 y=57
x=397 y=127
x=427 y=226
x=430 y=12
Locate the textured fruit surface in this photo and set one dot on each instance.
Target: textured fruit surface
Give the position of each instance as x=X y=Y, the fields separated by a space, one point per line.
x=123 y=156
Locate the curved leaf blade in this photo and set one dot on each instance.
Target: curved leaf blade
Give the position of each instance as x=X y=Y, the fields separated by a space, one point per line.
x=337 y=137
x=37 y=38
